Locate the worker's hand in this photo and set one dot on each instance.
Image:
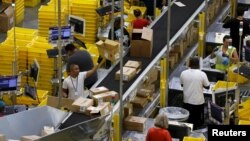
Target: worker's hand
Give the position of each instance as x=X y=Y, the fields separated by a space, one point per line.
x=99 y=59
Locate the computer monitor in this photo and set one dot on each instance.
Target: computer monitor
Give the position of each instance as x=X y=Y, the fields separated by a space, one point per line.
x=65 y=33
x=78 y=24
x=34 y=71
x=8 y=83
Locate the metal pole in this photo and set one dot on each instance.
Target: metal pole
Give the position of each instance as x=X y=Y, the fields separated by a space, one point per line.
x=14 y=65
x=112 y=20
x=121 y=68
x=168 y=47
x=60 y=54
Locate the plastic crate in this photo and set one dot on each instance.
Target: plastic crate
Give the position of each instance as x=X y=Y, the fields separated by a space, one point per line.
x=244 y=122
x=31 y=3
x=221 y=86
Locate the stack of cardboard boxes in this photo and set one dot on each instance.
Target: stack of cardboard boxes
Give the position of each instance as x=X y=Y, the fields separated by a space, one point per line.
x=146 y=90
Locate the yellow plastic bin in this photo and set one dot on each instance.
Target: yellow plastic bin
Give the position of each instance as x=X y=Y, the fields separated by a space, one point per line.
x=224 y=85
x=193 y=139
x=26 y=100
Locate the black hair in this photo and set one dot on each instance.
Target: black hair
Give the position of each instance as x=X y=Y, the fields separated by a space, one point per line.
x=194 y=63
x=117 y=22
x=240 y=11
x=226 y=37
x=137 y=13
x=70 y=47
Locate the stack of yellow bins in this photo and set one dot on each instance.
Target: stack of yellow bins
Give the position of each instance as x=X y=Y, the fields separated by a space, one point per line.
x=24 y=38
x=37 y=50
x=87 y=10
x=48 y=17
x=19 y=10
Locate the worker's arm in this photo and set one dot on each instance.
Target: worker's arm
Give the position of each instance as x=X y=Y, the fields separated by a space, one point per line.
x=234 y=57
x=92 y=71
x=65 y=92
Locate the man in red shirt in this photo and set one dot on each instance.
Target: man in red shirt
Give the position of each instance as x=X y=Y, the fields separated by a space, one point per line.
x=139 y=22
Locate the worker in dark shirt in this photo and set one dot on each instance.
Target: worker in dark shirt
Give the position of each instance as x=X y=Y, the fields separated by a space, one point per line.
x=150 y=5
x=234 y=25
x=117 y=32
x=83 y=59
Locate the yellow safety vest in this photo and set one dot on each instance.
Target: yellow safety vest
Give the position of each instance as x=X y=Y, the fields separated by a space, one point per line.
x=219 y=60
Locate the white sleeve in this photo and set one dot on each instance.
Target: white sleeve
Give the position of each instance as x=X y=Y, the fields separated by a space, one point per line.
x=65 y=85
x=181 y=81
x=83 y=74
x=205 y=80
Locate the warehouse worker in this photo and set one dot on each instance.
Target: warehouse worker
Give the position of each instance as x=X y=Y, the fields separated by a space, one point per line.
x=2 y=107
x=193 y=80
x=84 y=61
x=160 y=131
x=225 y=54
x=234 y=25
x=117 y=32
x=139 y=22
x=73 y=85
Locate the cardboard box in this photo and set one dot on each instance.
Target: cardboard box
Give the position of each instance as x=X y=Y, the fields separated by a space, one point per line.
x=6 y=18
x=81 y=104
x=47 y=130
x=139 y=102
x=153 y=76
x=65 y=102
x=103 y=109
x=146 y=90
x=98 y=90
x=29 y=138
x=110 y=44
x=2 y=137
x=108 y=49
x=133 y=64
x=134 y=123
x=128 y=74
x=128 y=109
x=142 y=47
x=106 y=97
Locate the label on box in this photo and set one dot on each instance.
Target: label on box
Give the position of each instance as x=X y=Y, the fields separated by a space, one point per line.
x=125 y=77
x=82 y=108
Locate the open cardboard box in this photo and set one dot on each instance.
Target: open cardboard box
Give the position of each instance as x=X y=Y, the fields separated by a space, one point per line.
x=141 y=43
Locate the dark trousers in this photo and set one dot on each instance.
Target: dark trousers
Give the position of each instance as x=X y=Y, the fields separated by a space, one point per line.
x=196 y=114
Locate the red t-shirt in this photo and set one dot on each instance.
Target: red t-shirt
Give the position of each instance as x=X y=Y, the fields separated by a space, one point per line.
x=158 y=134
x=140 y=23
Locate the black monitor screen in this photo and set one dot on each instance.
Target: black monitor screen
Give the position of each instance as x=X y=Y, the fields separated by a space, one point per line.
x=65 y=31
x=8 y=83
x=78 y=24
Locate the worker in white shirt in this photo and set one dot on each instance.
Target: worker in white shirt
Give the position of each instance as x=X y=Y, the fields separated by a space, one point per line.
x=73 y=85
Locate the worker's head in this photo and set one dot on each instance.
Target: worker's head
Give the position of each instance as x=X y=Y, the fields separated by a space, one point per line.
x=74 y=70
x=70 y=48
x=117 y=22
x=2 y=106
x=240 y=11
x=227 y=40
x=137 y=13
x=194 y=63
x=161 y=121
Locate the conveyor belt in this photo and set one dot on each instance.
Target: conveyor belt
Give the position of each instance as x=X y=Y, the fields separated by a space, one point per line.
x=179 y=18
